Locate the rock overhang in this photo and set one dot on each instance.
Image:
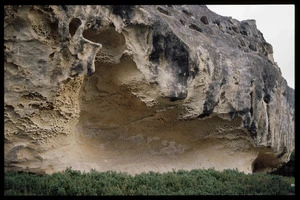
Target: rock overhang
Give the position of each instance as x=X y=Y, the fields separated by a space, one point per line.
x=129 y=84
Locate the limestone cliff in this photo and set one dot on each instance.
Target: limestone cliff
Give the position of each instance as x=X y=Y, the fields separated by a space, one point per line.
x=140 y=88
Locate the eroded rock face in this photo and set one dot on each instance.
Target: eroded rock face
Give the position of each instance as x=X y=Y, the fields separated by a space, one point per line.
x=140 y=88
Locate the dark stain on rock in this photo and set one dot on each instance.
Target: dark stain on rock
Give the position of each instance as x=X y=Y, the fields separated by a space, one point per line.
x=177 y=59
x=237 y=113
x=242 y=42
x=252 y=47
x=124 y=11
x=78 y=68
x=187 y=13
x=210 y=101
x=235 y=29
x=252 y=129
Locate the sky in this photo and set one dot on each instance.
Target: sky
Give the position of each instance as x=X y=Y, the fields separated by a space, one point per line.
x=277 y=24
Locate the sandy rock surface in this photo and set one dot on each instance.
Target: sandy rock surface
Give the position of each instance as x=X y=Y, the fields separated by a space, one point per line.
x=141 y=88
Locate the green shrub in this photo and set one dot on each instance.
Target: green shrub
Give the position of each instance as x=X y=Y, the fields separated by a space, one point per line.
x=195 y=182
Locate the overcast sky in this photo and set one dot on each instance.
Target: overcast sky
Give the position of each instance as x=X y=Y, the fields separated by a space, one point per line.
x=277 y=23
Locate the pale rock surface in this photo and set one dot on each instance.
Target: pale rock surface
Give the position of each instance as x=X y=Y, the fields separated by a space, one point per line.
x=141 y=88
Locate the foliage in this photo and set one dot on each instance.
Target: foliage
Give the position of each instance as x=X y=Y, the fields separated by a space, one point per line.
x=195 y=182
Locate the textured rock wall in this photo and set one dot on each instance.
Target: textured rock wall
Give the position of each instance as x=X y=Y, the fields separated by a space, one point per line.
x=139 y=88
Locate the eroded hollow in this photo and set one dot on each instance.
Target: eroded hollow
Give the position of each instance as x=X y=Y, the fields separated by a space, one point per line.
x=42 y=24
x=106 y=99
x=113 y=43
x=117 y=131
x=266 y=161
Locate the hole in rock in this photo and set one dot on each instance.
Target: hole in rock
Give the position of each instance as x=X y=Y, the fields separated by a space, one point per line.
x=51 y=55
x=267 y=98
x=113 y=43
x=163 y=11
x=204 y=20
x=9 y=107
x=74 y=25
x=196 y=28
x=252 y=47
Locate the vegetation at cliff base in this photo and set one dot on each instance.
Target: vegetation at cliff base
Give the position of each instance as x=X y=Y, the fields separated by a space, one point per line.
x=195 y=182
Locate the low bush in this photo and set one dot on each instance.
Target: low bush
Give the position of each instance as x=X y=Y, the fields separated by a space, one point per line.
x=195 y=182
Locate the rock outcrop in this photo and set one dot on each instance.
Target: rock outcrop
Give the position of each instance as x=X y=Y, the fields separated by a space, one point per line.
x=141 y=88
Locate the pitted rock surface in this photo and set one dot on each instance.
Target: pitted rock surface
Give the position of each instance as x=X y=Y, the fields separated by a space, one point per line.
x=141 y=88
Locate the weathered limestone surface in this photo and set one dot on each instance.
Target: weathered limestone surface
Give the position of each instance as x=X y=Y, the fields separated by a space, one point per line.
x=140 y=88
